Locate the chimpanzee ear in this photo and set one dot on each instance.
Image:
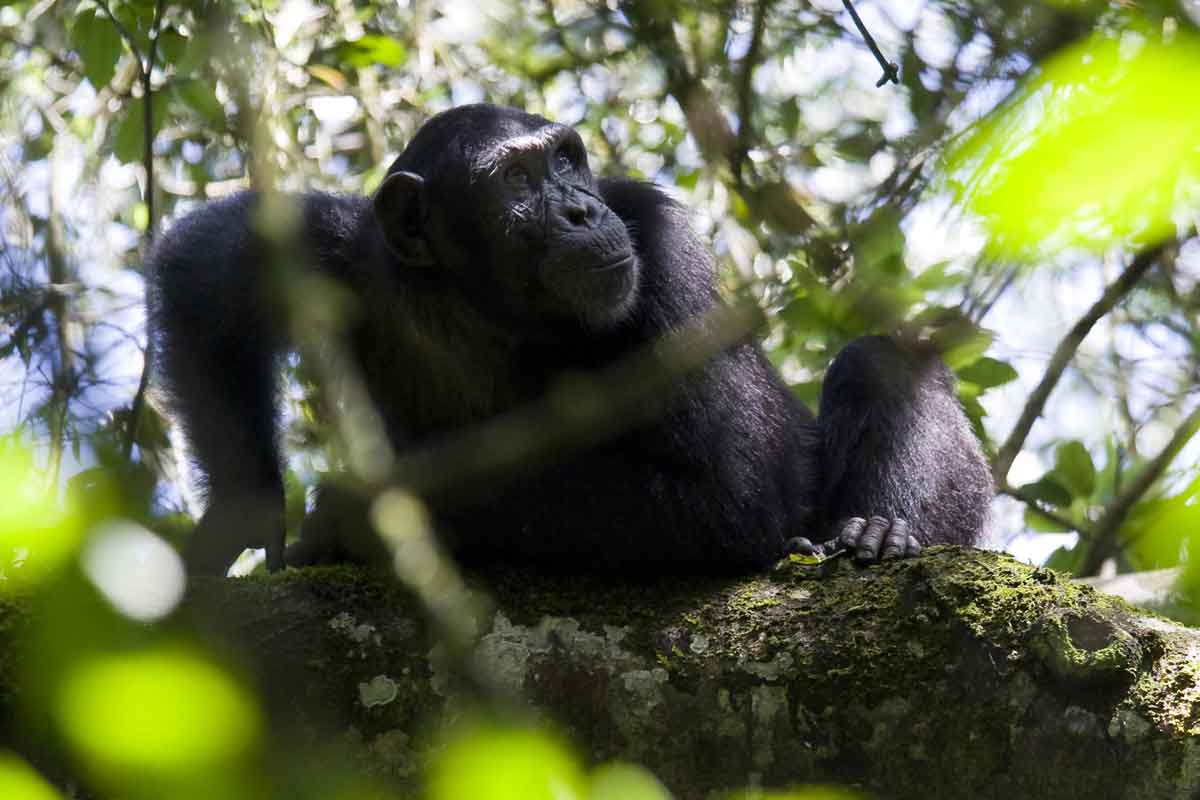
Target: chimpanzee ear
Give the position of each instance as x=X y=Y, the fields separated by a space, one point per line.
x=399 y=207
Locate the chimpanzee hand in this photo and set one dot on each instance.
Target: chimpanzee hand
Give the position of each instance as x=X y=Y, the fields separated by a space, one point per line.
x=877 y=539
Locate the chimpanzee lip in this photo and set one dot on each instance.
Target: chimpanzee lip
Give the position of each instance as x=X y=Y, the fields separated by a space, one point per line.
x=620 y=263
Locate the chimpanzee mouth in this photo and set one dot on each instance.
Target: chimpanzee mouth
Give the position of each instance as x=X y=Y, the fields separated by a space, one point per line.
x=623 y=262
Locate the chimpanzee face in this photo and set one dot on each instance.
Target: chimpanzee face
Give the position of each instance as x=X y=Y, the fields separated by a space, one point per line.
x=506 y=203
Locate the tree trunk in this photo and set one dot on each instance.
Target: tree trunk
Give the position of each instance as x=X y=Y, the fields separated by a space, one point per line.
x=958 y=674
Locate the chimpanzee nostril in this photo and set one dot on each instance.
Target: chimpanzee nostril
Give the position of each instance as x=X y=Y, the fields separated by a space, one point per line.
x=576 y=212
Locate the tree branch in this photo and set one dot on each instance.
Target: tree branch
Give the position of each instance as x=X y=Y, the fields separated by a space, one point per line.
x=1063 y=354
x=1038 y=506
x=958 y=674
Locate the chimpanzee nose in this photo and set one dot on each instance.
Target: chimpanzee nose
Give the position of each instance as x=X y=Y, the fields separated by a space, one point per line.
x=580 y=210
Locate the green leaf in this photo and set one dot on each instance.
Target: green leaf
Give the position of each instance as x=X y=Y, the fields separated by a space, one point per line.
x=1098 y=147
x=96 y=40
x=18 y=781
x=626 y=782
x=199 y=96
x=128 y=142
x=1066 y=559
x=195 y=55
x=1049 y=491
x=162 y=713
x=1073 y=468
x=988 y=372
x=494 y=763
x=961 y=348
x=171 y=47
x=1037 y=521
x=371 y=49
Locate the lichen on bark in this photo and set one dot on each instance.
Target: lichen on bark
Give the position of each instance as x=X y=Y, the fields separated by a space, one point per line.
x=958 y=674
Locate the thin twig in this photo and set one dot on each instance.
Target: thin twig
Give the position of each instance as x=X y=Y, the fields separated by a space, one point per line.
x=891 y=70
x=1040 y=508
x=136 y=408
x=745 y=88
x=1064 y=353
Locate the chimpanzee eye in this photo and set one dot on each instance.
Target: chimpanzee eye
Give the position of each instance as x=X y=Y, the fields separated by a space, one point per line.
x=563 y=162
x=517 y=175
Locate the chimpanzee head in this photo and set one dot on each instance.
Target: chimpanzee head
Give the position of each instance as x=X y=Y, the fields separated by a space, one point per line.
x=503 y=203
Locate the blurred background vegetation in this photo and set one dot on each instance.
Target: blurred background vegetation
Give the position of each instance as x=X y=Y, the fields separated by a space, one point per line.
x=1027 y=195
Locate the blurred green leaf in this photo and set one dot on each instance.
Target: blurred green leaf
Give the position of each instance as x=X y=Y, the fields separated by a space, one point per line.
x=987 y=373
x=128 y=142
x=960 y=347
x=372 y=49
x=98 y=43
x=625 y=782
x=38 y=534
x=198 y=95
x=1098 y=147
x=1048 y=490
x=1162 y=529
x=493 y=763
x=1037 y=521
x=1073 y=468
x=171 y=47
x=195 y=55
x=165 y=713
x=18 y=781
x=1067 y=559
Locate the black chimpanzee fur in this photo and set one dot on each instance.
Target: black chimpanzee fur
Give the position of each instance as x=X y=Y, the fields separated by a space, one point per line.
x=489 y=262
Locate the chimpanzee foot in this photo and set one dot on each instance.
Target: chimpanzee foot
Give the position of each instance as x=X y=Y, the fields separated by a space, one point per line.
x=876 y=539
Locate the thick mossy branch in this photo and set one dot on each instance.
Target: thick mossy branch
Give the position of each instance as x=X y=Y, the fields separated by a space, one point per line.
x=958 y=674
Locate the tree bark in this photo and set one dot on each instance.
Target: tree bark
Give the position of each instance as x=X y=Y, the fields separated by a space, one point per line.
x=958 y=674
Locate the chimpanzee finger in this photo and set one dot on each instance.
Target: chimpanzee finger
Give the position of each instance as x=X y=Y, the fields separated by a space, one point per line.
x=849 y=531
x=799 y=545
x=871 y=539
x=914 y=547
x=895 y=543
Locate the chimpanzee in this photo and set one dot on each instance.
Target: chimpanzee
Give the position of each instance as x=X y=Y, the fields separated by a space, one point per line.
x=489 y=262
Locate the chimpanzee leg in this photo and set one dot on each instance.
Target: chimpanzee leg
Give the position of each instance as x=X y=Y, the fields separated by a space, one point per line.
x=901 y=467
x=223 y=394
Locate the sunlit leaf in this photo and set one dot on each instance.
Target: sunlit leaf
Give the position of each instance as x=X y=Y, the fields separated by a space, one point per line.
x=988 y=372
x=96 y=40
x=626 y=782
x=165 y=713
x=491 y=763
x=1101 y=145
x=1073 y=468
x=1162 y=528
x=372 y=49
x=328 y=75
x=960 y=347
x=18 y=781
x=38 y=534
